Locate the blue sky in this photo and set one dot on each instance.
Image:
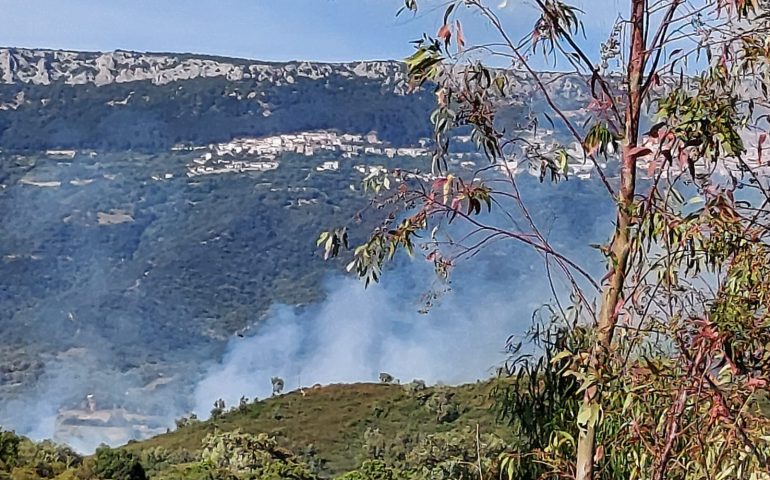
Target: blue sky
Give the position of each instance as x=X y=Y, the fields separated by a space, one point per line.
x=320 y=30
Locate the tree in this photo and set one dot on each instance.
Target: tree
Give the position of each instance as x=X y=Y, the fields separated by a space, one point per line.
x=256 y=455
x=219 y=409
x=110 y=464
x=9 y=449
x=277 y=385
x=680 y=323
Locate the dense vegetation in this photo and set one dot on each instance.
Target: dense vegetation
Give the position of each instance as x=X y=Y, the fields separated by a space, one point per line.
x=362 y=431
x=667 y=364
x=200 y=259
x=203 y=111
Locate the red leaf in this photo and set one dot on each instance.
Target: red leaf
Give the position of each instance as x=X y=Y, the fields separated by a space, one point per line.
x=618 y=307
x=445 y=33
x=460 y=37
x=637 y=152
x=599 y=454
x=683 y=158
x=756 y=382
x=438 y=184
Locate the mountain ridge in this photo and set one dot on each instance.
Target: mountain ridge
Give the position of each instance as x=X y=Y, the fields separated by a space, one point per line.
x=118 y=101
x=203 y=55
x=46 y=66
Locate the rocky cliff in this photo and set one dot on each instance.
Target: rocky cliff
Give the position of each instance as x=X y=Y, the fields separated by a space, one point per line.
x=43 y=67
x=150 y=101
x=144 y=101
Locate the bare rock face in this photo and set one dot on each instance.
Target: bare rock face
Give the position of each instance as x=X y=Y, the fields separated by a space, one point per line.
x=7 y=66
x=105 y=65
x=42 y=67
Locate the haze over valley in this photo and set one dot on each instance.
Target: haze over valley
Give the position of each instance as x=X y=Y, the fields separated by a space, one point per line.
x=369 y=240
x=162 y=212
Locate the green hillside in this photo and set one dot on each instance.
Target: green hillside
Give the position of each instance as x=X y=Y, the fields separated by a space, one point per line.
x=321 y=432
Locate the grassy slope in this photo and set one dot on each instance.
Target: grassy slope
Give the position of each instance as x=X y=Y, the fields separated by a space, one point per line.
x=334 y=418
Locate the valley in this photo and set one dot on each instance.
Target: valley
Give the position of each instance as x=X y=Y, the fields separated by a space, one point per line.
x=535 y=247
x=163 y=210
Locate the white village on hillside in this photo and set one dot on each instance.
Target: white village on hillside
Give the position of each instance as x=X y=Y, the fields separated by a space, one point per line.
x=262 y=154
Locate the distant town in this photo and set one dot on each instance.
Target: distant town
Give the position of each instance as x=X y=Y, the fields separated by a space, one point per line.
x=264 y=154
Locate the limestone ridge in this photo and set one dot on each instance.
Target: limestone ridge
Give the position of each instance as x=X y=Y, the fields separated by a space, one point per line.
x=44 y=67
x=119 y=101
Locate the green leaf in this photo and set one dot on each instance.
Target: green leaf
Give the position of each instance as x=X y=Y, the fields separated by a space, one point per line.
x=561 y=356
x=588 y=414
x=501 y=82
x=322 y=238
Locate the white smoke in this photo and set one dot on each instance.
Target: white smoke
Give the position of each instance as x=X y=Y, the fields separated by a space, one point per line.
x=356 y=334
x=352 y=336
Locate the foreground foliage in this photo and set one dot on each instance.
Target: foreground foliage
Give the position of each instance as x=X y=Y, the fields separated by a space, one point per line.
x=350 y=431
x=660 y=368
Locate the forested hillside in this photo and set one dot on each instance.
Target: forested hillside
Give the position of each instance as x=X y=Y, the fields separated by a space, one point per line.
x=361 y=431
x=151 y=102
x=201 y=111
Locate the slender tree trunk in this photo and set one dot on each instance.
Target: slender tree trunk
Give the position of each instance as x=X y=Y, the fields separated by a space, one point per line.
x=621 y=240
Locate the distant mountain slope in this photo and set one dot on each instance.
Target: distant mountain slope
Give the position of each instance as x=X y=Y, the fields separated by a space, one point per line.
x=44 y=67
x=147 y=101
x=121 y=100
x=119 y=271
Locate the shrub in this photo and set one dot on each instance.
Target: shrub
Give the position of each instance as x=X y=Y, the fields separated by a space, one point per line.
x=372 y=470
x=9 y=450
x=113 y=464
